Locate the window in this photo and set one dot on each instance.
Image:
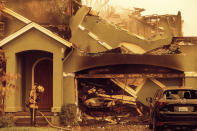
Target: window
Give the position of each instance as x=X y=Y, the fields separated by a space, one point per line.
x=180 y=94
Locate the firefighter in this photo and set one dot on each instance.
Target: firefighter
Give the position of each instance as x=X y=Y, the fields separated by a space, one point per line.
x=33 y=101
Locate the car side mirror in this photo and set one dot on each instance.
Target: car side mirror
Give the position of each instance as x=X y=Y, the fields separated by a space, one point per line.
x=149 y=99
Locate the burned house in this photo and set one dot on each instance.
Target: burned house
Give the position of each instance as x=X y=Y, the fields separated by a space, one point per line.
x=107 y=85
x=115 y=70
x=106 y=71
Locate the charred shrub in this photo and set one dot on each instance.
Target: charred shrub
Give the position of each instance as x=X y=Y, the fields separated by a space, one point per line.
x=68 y=115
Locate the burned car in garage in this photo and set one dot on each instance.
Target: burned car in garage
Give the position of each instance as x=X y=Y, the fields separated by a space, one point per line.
x=173 y=106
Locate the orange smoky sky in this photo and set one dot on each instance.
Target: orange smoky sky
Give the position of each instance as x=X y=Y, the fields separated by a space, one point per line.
x=188 y=10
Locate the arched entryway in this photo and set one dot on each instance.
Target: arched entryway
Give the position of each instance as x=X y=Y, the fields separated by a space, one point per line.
x=42 y=74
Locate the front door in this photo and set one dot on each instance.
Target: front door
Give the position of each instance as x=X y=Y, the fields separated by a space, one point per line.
x=43 y=75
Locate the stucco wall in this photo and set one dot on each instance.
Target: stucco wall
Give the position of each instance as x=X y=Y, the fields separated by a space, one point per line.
x=35 y=40
x=191 y=82
x=69 y=90
x=189 y=49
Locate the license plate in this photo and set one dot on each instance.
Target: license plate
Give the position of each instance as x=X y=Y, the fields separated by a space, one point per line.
x=183 y=108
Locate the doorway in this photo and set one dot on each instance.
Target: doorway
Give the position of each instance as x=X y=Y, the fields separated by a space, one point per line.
x=42 y=74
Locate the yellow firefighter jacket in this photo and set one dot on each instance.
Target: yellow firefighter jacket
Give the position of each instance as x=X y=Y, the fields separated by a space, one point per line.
x=33 y=99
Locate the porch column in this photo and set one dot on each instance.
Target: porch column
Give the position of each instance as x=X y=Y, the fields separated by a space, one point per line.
x=57 y=83
x=14 y=100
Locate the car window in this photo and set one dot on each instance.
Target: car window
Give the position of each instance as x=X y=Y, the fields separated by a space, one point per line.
x=180 y=94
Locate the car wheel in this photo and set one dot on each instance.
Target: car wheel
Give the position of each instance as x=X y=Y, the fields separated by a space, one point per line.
x=155 y=127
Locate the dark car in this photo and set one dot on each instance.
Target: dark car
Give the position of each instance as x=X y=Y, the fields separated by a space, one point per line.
x=175 y=106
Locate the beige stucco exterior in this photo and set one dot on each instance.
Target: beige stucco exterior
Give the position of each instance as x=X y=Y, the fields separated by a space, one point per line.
x=33 y=40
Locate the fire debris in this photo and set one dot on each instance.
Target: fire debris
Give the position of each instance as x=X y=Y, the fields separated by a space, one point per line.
x=166 y=49
x=149 y=32
x=147 y=26
x=61 y=30
x=104 y=101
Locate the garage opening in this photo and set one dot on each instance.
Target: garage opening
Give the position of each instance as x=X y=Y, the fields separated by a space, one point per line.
x=116 y=94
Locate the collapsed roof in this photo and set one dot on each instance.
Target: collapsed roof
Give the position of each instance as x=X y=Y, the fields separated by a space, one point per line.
x=97 y=34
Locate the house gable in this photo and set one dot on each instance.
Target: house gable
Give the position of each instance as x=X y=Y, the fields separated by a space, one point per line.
x=31 y=39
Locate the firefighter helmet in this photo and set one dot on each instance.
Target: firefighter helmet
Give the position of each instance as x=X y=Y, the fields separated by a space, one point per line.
x=40 y=88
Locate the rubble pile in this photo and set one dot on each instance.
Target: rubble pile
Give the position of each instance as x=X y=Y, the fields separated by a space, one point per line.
x=103 y=100
x=165 y=50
